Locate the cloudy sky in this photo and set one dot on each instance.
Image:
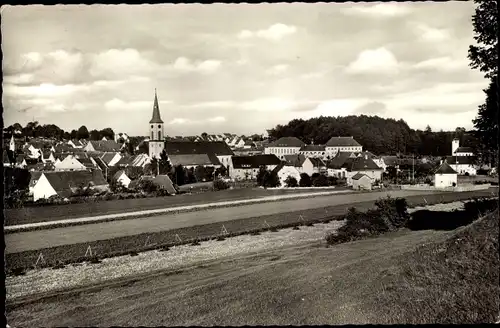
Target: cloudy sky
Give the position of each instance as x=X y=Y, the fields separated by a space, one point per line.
x=238 y=68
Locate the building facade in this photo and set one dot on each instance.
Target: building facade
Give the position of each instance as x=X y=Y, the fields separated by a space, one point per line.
x=156 y=131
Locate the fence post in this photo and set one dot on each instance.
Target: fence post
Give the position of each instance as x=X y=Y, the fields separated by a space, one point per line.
x=40 y=259
x=89 y=251
x=224 y=230
x=178 y=238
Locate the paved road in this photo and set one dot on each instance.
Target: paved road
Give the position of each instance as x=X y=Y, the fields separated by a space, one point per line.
x=24 y=241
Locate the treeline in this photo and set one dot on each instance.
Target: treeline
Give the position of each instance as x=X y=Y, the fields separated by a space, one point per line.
x=34 y=130
x=378 y=135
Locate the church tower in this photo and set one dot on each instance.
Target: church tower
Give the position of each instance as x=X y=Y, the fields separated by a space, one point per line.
x=156 y=137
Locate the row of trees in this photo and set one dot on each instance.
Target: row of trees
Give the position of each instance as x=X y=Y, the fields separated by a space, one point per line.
x=34 y=129
x=376 y=134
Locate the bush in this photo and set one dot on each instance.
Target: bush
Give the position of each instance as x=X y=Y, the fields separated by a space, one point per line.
x=291 y=182
x=390 y=214
x=305 y=180
x=220 y=184
x=332 y=181
x=320 y=181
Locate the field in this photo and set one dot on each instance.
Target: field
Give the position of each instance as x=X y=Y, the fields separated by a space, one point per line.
x=139 y=242
x=349 y=284
x=59 y=212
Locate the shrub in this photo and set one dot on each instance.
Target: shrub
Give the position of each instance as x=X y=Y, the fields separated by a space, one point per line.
x=18 y=271
x=296 y=228
x=332 y=181
x=133 y=253
x=320 y=181
x=220 y=184
x=220 y=238
x=305 y=180
x=291 y=182
x=195 y=243
x=394 y=211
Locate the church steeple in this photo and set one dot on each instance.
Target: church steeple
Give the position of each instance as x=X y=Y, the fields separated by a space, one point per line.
x=156 y=111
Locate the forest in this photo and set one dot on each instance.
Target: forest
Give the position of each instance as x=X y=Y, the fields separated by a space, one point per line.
x=378 y=135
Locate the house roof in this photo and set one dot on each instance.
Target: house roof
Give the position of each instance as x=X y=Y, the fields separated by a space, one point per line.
x=360 y=164
x=313 y=148
x=338 y=160
x=156 y=111
x=191 y=159
x=35 y=175
x=76 y=142
x=342 y=142
x=105 y=145
x=118 y=174
x=316 y=162
x=464 y=150
x=100 y=163
x=295 y=160
x=218 y=148
x=108 y=157
x=358 y=176
x=461 y=160
x=445 y=168
x=87 y=162
x=164 y=182
x=246 y=162
x=63 y=181
x=287 y=142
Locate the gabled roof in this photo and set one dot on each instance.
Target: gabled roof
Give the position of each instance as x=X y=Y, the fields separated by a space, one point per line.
x=313 y=148
x=100 y=163
x=317 y=162
x=445 y=168
x=342 y=142
x=35 y=176
x=287 y=142
x=164 y=182
x=464 y=150
x=108 y=157
x=106 y=145
x=191 y=159
x=256 y=161
x=156 y=112
x=360 y=164
x=63 y=181
x=218 y=148
x=338 y=160
x=87 y=162
x=295 y=160
x=358 y=176
x=118 y=174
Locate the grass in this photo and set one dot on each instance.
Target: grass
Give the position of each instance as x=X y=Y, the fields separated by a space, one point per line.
x=449 y=282
x=124 y=245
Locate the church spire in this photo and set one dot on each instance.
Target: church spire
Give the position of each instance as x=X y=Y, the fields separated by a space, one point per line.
x=156 y=111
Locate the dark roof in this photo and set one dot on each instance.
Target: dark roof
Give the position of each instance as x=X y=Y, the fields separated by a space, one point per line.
x=246 y=162
x=35 y=175
x=164 y=182
x=218 y=148
x=464 y=160
x=360 y=164
x=106 y=145
x=76 y=142
x=464 y=150
x=124 y=161
x=342 y=142
x=313 y=148
x=358 y=176
x=156 y=111
x=287 y=142
x=118 y=174
x=279 y=167
x=338 y=160
x=295 y=160
x=100 y=163
x=192 y=159
x=445 y=168
x=317 y=162
x=108 y=157
x=87 y=162
x=63 y=181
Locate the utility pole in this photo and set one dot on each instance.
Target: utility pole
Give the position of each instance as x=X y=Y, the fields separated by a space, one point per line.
x=413 y=168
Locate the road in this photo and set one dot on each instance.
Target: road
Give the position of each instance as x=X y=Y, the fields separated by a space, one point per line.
x=33 y=240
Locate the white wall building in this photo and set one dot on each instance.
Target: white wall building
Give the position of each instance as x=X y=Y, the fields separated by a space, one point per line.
x=342 y=144
x=70 y=163
x=284 y=146
x=445 y=176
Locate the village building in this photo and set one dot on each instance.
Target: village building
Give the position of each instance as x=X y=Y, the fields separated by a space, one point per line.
x=314 y=151
x=218 y=152
x=70 y=163
x=445 y=176
x=102 y=146
x=335 y=166
x=247 y=167
x=163 y=181
x=342 y=144
x=156 y=131
x=361 y=181
x=65 y=183
x=74 y=143
x=284 y=146
x=122 y=178
x=284 y=171
x=193 y=160
x=463 y=165
x=363 y=165
x=456 y=150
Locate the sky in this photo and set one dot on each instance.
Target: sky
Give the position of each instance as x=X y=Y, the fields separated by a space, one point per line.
x=238 y=68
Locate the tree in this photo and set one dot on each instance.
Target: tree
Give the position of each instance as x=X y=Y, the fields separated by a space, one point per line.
x=486 y=125
x=484 y=55
x=204 y=135
x=161 y=165
x=199 y=173
x=95 y=135
x=179 y=175
x=305 y=180
x=82 y=133
x=108 y=133
x=291 y=182
x=320 y=181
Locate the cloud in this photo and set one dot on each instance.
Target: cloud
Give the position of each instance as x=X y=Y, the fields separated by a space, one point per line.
x=371 y=108
x=268 y=104
x=217 y=119
x=274 y=32
x=446 y=63
x=207 y=66
x=18 y=79
x=120 y=105
x=213 y=104
x=380 y=10
x=43 y=90
x=277 y=69
x=431 y=34
x=378 y=61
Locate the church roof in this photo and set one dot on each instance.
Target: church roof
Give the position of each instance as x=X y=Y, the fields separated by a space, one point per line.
x=156 y=112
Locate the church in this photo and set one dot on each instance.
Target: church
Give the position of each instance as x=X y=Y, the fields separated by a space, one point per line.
x=186 y=153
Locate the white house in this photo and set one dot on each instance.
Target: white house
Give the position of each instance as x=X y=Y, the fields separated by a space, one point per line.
x=463 y=165
x=445 y=176
x=247 y=167
x=75 y=143
x=342 y=144
x=364 y=165
x=122 y=178
x=456 y=150
x=315 y=151
x=284 y=146
x=361 y=181
x=284 y=171
x=70 y=163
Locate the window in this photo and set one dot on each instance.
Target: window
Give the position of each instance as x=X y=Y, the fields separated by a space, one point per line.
x=151 y=126
x=159 y=135
x=152 y=134
x=159 y=126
